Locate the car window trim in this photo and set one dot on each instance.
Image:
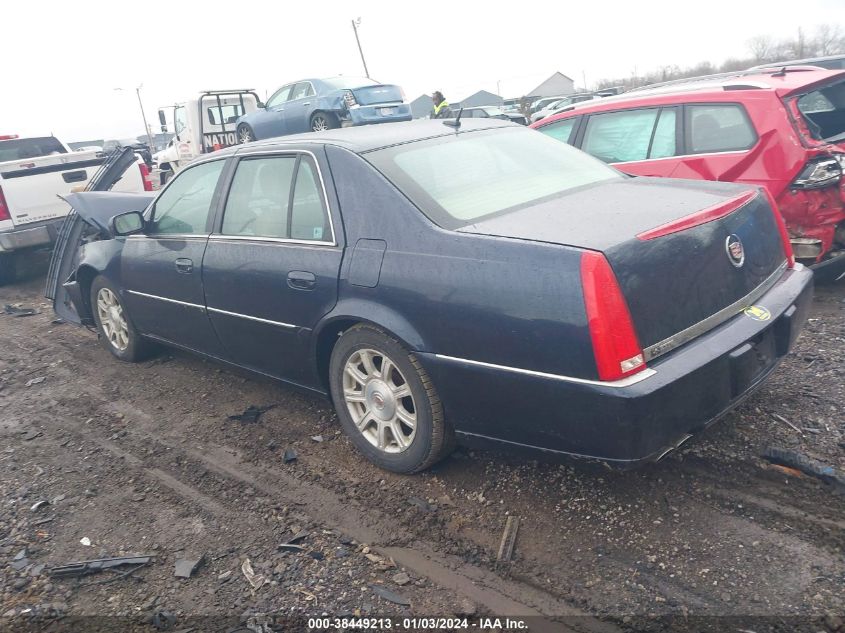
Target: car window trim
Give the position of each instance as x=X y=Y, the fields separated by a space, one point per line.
x=216 y=232
x=660 y=114
x=687 y=128
x=573 y=133
x=149 y=214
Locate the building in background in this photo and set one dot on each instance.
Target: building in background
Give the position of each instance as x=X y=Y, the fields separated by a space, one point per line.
x=480 y=98
x=557 y=84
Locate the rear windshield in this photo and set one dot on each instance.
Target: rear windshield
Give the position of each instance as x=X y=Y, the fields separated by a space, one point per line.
x=23 y=148
x=824 y=111
x=459 y=179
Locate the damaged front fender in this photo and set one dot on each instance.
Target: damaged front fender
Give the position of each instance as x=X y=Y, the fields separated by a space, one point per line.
x=75 y=259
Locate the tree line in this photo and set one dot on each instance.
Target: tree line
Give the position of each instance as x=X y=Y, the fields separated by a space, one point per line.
x=823 y=40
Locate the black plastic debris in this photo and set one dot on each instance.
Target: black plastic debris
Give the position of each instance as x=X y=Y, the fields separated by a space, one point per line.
x=163 y=620
x=316 y=555
x=806 y=465
x=87 y=567
x=390 y=596
x=185 y=567
x=290 y=547
x=290 y=455
x=251 y=414
x=31 y=435
x=18 y=312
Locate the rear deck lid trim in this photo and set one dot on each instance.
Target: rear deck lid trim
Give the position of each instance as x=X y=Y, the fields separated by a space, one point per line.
x=698 y=218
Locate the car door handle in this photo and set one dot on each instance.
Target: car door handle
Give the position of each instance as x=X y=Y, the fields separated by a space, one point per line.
x=184 y=266
x=307 y=103
x=301 y=280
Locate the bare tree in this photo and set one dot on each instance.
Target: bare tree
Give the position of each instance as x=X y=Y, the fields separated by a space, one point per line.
x=761 y=47
x=828 y=40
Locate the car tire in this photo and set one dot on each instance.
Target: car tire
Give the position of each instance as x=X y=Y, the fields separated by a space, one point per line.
x=8 y=268
x=384 y=405
x=245 y=134
x=114 y=327
x=321 y=121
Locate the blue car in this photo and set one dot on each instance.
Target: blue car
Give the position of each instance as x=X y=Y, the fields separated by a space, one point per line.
x=314 y=105
x=438 y=280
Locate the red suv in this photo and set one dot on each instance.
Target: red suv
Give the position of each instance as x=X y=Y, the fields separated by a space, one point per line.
x=781 y=128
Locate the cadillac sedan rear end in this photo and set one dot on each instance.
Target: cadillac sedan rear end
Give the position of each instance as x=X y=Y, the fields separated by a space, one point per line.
x=593 y=314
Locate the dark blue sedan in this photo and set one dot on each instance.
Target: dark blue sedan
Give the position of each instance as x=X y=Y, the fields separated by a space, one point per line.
x=481 y=282
x=324 y=104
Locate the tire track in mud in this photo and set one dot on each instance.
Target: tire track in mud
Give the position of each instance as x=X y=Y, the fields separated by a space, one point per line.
x=366 y=526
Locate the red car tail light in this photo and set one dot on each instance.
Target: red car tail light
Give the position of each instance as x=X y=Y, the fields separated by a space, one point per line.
x=704 y=216
x=145 y=176
x=615 y=345
x=4 y=208
x=784 y=234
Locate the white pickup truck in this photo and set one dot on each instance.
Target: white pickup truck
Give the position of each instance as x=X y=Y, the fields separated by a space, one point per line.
x=34 y=172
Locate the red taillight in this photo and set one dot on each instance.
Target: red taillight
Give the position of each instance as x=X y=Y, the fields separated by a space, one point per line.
x=145 y=176
x=784 y=234
x=7 y=137
x=615 y=345
x=704 y=216
x=4 y=208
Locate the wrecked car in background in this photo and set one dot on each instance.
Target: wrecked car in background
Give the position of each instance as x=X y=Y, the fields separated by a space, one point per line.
x=442 y=278
x=324 y=104
x=782 y=129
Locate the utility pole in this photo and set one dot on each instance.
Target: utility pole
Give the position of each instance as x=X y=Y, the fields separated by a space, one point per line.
x=355 y=25
x=144 y=117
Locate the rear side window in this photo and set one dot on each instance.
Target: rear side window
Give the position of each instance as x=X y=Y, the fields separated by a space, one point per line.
x=618 y=137
x=560 y=130
x=824 y=112
x=23 y=148
x=224 y=114
x=263 y=201
x=718 y=128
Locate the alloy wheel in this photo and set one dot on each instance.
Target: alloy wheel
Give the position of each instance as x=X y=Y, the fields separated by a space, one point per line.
x=112 y=319
x=245 y=135
x=319 y=124
x=379 y=400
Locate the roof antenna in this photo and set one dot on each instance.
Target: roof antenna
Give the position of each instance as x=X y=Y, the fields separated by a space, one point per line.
x=780 y=73
x=457 y=122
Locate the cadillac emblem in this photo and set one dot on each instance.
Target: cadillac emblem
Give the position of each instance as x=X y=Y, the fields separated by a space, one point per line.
x=735 y=250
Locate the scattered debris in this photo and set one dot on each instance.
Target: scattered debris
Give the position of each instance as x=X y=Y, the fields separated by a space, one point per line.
x=95 y=566
x=185 y=567
x=35 y=381
x=85 y=541
x=298 y=537
x=508 y=540
x=807 y=465
x=401 y=579
x=422 y=504
x=251 y=413
x=290 y=455
x=787 y=422
x=43 y=521
x=57 y=322
x=163 y=620
x=225 y=576
x=290 y=547
x=256 y=580
x=317 y=438
x=31 y=435
x=20 y=561
x=390 y=596
x=38 y=505
x=316 y=555
x=17 y=311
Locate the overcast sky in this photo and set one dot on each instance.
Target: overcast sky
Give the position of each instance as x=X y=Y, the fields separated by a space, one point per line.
x=64 y=60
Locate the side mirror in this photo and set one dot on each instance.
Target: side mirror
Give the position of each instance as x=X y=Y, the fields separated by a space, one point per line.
x=261 y=105
x=161 y=118
x=127 y=224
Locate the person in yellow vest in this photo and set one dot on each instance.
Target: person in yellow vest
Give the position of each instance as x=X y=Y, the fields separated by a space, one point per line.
x=441 y=106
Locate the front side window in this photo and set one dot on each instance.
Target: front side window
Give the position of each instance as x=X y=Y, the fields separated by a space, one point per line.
x=459 y=179
x=718 y=128
x=560 y=130
x=182 y=208
x=180 y=119
x=263 y=201
x=619 y=137
x=279 y=97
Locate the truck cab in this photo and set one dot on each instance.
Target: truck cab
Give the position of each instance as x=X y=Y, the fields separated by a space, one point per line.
x=201 y=125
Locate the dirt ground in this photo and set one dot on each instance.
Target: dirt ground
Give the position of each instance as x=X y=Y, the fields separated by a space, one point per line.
x=142 y=459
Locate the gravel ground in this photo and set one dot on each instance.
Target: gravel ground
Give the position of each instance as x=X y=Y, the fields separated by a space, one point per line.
x=141 y=459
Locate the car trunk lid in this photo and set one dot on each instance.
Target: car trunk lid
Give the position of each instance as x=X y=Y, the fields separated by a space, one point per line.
x=381 y=93
x=678 y=274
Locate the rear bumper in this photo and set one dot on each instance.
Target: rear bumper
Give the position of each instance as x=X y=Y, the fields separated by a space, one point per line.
x=635 y=420
x=30 y=235
x=366 y=115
